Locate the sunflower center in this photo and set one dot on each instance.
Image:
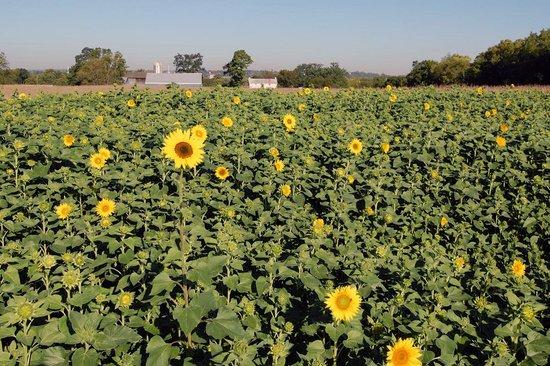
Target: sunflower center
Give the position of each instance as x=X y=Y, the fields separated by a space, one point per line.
x=400 y=357
x=343 y=302
x=184 y=150
x=356 y=146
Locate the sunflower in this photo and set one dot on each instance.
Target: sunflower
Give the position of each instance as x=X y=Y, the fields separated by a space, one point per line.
x=63 y=210
x=459 y=262
x=318 y=226
x=518 y=268
x=355 y=146
x=279 y=165
x=186 y=150
x=105 y=207
x=427 y=106
x=286 y=190
x=504 y=127
x=326 y=88
x=501 y=141
x=105 y=153
x=199 y=132
x=307 y=91
x=290 y=122
x=479 y=90
x=188 y=93
x=97 y=161
x=301 y=107
x=274 y=152
x=444 y=221
x=385 y=147
x=131 y=103
x=404 y=353
x=388 y=88
x=68 y=140
x=344 y=303
x=125 y=299
x=222 y=173
x=227 y=122
x=393 y=98
x=236 y=100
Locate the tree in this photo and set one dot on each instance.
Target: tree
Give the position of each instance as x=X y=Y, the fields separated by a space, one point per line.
x=422 y=73
x=188 y=62
x=452 y=69
x=3 y=61
x=20 y=75
x=97 y=66
x=48 y=77
x=236 y=68
x=287 y=78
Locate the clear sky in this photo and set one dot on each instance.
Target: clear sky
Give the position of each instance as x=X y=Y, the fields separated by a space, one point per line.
x=382 y=36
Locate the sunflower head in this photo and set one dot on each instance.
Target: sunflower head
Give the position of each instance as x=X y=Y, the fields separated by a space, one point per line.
x=385 y=147
x=106 y=153
x=355 y=146
x=236 y=100
x=443 y=221
x=131 y=103
x=344 y=303
x=318 y=226
x=501 y=141
x=518 y=268
x=183 y=148
x=290 y=122
x=125 y=299
x=105 y=207
x=97 y=161
x=286 y=190
x=188 y=94
x=393 y=98
x=301 y=107
x=68 y=140
x=63 y=210
x=404 y=353
x=199 y=132
x=279 y=165
x=459 y=262
x=227 y=122
x=274 y=152
x=427 y=106
x=222 y=173
x=504 y=127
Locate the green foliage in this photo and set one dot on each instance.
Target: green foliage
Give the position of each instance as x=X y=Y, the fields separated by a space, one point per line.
x=314 y=75
x=188 y=62
x=48 y=77
x=97 y=66
x=451 y=69
x=236 y=68
x=232 y=272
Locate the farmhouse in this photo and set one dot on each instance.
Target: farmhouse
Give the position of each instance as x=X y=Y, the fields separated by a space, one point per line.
x=186 y=79
x=135 y=77
x=262 y=83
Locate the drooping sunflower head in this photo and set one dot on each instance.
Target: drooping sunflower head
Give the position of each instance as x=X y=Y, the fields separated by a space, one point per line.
x=105 y=207
x=501 y=141
x=97 y=161
x=68 y=140
x=518 y=268
x=227 y=122
x=183 y=148
x=355 y=146
x=106 y=153
x=199 y=132
x=63 y=210
x=290 y=122
x=344 y=303
x=222 y=173
x=404 y=353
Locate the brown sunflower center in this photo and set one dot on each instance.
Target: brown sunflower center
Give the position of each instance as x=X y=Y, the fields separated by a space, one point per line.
x=400 y=357
x=184 y=150
x=355 y=146
x=343 y=302
x=223 y=172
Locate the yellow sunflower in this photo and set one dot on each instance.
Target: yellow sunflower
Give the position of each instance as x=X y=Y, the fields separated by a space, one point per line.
x=404 y=353
x=460 y=262
x=97 y=161
x=186 y=150
x=307 y=91
x=388 y=88
x=318 y=226
x=227 y=122
x=131 y=103
x=518 y=268
x=344 y=303
x=103 y=151
x=286 y=190
x=199 y=132
x=443 y=221
x=501 y=141
x=301 y=107
x=274 y=152
x=279 y=165
x=393 y=98
x=290 y=122
x=125 y=299
x=222 y=173
x=504 y=127
x=385 y=147
x=188 y=93
x=105 y=207
x=63 y=211
x=236 y=100
x=355 y=146
x=326 y=88
x=427 y=106
x=68 y=140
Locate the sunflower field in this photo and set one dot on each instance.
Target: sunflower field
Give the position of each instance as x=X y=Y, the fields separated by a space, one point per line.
x=393 y=227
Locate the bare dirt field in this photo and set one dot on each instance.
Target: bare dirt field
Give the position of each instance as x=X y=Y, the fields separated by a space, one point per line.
x=9 y=90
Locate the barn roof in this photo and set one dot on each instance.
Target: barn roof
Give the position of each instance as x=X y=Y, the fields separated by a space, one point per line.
x=184 y=78
x=262 y=81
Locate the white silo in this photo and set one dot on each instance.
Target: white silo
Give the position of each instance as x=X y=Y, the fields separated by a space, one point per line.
x=158 y=68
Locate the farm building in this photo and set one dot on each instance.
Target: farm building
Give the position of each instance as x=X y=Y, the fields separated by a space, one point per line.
x=262 y=83
x=186 y=79
x=135 y=77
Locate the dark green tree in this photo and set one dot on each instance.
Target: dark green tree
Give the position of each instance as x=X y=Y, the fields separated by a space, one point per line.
x=3 y=61
x=188 y=62
x=236 y=68
x=422 y=73
x=452 y=69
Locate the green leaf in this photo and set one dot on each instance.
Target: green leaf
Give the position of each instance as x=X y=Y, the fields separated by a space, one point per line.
x=159 y=352
x=162 y=282
x=188 y=318
x=83 y=357
x=226 y=324
x=50 y=334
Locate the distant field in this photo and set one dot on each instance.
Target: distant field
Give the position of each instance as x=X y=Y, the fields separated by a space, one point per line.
x=8 y=90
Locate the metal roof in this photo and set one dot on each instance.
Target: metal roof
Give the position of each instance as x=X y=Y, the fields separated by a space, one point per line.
x=183 y=78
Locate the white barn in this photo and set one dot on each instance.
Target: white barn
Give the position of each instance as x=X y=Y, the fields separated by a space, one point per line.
x=186 y=79
x=262 y=83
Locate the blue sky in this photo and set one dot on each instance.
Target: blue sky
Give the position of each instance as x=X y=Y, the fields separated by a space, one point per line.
x=376 y=36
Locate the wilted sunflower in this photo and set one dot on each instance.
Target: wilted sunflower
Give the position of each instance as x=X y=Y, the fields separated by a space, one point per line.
x=63 y=210
x=105 y=153
x=186 y=150
x=344 y=303
x=290 y=122
x=404 y=353
x=97 y=161
x=222 y=173
x=68 y=140
x=199 y=132
x=227 y=122
x=105 y=207
x=355 y=146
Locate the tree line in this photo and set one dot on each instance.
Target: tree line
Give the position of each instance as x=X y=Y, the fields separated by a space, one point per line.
x=523 y=61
